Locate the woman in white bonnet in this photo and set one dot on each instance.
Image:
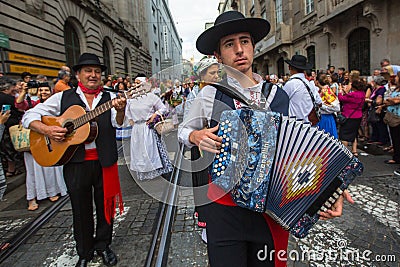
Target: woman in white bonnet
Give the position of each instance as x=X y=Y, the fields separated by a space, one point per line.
x=148 y=156
x=207 y=71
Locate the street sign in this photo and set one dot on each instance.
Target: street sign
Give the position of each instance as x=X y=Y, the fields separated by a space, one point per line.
x=4 y=41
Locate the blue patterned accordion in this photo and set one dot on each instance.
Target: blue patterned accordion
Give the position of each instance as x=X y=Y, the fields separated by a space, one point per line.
x=281 y=166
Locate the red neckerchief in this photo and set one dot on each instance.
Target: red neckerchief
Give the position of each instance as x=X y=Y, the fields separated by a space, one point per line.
x=94 y=92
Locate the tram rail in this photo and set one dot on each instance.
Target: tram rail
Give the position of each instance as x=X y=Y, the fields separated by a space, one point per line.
x=9 y=247
x=157 y=254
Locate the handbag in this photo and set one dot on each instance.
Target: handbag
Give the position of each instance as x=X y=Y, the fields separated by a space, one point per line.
x=20 y=138
x=373 y=117
x=164 y=126
x=391 y=119
x=340 y=119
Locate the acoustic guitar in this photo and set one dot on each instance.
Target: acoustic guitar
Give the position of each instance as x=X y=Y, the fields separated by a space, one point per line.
x=81 y=128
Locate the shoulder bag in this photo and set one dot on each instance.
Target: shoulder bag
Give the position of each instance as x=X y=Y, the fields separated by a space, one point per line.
x=391 y=119
x=373 y=117
x=341 y=119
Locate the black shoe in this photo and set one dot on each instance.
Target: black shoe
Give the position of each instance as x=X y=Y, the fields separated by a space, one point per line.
x=82 y=262
x=109 y=257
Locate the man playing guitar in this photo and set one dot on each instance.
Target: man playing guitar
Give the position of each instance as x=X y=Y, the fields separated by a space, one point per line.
x=93 y=166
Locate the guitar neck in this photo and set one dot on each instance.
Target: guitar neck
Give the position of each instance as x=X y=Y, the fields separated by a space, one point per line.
x=82 y=120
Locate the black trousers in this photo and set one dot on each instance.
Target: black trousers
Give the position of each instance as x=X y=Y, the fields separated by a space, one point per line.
x=237 y=237
x=395 y=134
x=84 y=182
x=199 y=179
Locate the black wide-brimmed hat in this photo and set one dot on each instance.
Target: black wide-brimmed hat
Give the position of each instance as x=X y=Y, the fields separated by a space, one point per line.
x=228 y=23
x=88 y=59
x=299 y=62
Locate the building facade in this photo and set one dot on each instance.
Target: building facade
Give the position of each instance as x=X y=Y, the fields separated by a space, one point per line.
x=44 y=35
x=164 y=42
x=354 y=34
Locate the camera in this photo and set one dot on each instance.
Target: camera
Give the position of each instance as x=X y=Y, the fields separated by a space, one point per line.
x=33 y=84
x=36 y=84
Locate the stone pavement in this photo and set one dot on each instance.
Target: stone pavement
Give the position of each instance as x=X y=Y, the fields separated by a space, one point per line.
x=53 y=244
x=368 y=233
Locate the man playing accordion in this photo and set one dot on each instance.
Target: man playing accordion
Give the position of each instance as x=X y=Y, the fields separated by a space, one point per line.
x=235 y=234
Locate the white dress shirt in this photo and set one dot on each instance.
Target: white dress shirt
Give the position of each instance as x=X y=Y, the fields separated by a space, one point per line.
x=300 y=102
x=199 y=115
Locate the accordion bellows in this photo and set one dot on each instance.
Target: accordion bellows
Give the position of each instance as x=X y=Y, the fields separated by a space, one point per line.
x=281 y=166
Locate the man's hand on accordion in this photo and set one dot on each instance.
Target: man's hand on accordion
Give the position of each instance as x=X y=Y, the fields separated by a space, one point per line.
x=337 y=209
x=206 y=139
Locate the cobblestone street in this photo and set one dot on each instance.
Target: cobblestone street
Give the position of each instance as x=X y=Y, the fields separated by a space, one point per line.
x=368 y=233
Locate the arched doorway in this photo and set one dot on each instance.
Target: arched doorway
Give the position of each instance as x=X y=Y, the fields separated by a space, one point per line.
x=72 y=45
x=359 y=51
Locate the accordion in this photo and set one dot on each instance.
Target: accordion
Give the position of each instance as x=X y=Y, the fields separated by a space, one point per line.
x=281 y=166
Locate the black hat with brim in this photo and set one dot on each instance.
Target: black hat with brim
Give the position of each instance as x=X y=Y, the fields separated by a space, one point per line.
x=228 y=23
x=88 y=59
x=299 y=62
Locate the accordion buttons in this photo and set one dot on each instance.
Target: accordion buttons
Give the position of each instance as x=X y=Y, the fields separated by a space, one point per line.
x=324 y=209
x=332 y=200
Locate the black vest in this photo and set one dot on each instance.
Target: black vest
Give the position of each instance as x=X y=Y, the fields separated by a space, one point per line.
x=106 y=143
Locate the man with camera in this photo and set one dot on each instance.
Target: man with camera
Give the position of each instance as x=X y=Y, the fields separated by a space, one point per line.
x=32 y=86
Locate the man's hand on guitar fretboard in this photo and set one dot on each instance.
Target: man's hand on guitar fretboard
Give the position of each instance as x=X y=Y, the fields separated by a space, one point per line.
x=119 y=103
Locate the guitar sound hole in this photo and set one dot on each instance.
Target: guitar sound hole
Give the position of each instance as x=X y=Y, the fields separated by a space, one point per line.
x=70 y=128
